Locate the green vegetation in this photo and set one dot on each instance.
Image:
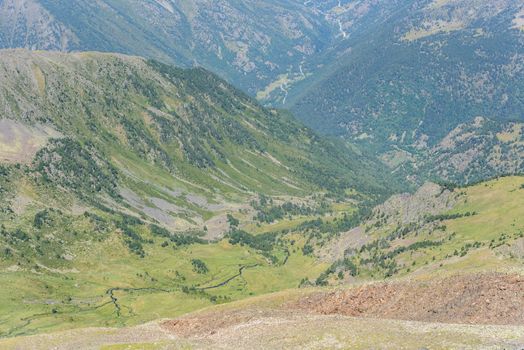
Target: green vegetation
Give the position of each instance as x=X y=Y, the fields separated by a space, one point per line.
x=268 y=213
x=397 y=96
x=67 y=163
x=82 y=262
x=482 y=231
x=177 y=239
x=175 y=35
x=174 y=123
x=263 y=242
x=405 y=98
x=108 y=225
x=199 y=266
x=445 y=217
x=136 y=190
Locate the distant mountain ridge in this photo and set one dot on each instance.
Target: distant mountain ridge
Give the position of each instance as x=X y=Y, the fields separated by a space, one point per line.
x=396 y=77
x=426 y=73
x=248 y=42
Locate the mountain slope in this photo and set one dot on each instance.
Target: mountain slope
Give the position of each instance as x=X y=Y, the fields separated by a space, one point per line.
x=404 y=85
x=396 y=77
x=250 y=43
x=178 y=120
x=437 y=231
x=130 y=190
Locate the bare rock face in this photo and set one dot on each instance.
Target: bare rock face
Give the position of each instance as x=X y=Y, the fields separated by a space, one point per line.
x=430 y=199
x=399 y=210
x=20 y=142
x=26 y=24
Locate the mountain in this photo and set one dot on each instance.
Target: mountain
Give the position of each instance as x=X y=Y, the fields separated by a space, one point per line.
x=399 y=78
x=250 y=42
x=170 y=209
x=178 y=120
x=435 y=231
x=124 y=178
x=263 y=47
x=427 y=73
x=138 y=132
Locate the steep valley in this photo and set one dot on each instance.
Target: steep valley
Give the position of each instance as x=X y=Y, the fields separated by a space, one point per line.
x=136 y=190
x=261 y=174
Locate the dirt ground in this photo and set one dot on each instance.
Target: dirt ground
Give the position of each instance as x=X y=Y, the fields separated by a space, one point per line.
x=496 y=299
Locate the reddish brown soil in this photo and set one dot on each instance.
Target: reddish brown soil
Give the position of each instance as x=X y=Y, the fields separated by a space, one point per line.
x=492 y=299
x=496 y=299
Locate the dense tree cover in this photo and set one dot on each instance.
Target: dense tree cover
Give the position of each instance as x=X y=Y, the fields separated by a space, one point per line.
x=344 y=223
x=46 y=217
x=76 y=167
x=129 y=226
x=16 y=234
x=223 y=98
x=340 y=266
x=443 y=217
x=263 y=242
x=390 y=94
x=233 y=222
x=176 y=238
x=133 y=240
x=307 y=249
x=4 y=170
x=199 y=266
x=268 y=213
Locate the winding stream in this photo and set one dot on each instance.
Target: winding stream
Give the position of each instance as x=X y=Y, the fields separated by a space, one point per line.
x=221 y=284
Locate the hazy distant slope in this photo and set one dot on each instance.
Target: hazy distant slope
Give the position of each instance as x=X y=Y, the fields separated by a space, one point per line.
x=437 y=64
x=25 y=23
x=248 y=42
x=411 y=79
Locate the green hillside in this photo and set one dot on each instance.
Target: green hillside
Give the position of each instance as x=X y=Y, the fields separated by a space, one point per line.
x=131 y=113
x=398 y=78
x=132 y=190
x=319 y=174
x=436 y=231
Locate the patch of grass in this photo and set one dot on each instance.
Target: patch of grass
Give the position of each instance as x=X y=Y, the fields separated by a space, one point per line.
x=77 y=294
